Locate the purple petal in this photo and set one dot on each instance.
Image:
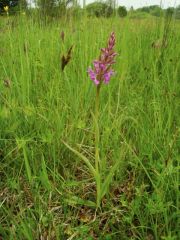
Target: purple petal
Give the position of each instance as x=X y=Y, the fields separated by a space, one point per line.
x=96 y=66
x=96 y=82
x=93 y=76
x=102 y=66
x=107 y=76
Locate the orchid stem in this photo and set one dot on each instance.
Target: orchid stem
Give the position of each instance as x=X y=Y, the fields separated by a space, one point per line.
x=97 y=159
x=97 y=129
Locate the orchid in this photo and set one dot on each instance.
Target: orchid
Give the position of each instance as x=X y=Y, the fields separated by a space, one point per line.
x=103 y=71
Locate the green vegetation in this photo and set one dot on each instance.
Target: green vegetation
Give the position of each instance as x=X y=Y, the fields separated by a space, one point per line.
x=14 y=6
x=99 y=9
x=47 y=191
x=122 y=11
x=60 y=8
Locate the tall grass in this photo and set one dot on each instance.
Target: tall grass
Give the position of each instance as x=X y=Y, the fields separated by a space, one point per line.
x=46 y=191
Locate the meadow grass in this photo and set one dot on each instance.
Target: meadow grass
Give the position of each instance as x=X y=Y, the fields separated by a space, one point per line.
x=46 y=191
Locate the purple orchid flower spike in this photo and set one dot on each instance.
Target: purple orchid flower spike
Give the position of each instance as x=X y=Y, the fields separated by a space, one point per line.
x=103 y=71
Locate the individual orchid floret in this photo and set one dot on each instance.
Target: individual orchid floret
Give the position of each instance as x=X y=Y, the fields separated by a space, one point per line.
x=93 y=76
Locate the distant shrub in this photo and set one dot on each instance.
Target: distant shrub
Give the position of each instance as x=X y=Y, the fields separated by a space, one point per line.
x=144 y=9
x=173 y=12
x=75 y=11
x=177 y=12
x=154 y=10
x=157 y=12
x=122 y=11
x=139 y=15
x=99 y=9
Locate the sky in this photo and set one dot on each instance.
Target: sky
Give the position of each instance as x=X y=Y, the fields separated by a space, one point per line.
x=140 y=3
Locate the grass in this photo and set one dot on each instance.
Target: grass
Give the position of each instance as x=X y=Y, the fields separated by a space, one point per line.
x=46 y=191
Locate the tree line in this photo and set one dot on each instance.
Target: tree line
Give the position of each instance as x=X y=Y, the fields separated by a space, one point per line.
x=107 y=8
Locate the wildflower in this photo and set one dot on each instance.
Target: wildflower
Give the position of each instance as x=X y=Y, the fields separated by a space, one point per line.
x=103 y=71
x=6 y=8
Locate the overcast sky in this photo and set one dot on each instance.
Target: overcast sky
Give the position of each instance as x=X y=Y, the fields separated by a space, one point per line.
x=140 y=3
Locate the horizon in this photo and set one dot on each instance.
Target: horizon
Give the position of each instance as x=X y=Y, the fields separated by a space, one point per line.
x=141 y=3
x=131 y=3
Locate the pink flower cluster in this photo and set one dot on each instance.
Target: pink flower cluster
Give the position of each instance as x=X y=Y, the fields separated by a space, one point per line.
x=103 y=71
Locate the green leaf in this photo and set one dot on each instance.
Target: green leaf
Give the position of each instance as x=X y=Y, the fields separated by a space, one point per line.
x=44 y=176
x=28 y=169
x=86 y=161
x=108 y=180
x=73 y=200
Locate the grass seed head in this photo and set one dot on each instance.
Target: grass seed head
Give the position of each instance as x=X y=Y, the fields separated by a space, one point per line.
x=62 y=35
x=66 y=58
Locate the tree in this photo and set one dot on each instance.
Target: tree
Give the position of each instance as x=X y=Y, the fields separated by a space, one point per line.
x=99 y=9
x=22 y=4
x=111 y=4
x=53 y=7
x=154 y=10
x=122 y=11
x=177 y=12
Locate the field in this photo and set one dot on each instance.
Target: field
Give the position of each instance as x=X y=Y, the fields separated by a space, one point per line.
x=48 y=130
